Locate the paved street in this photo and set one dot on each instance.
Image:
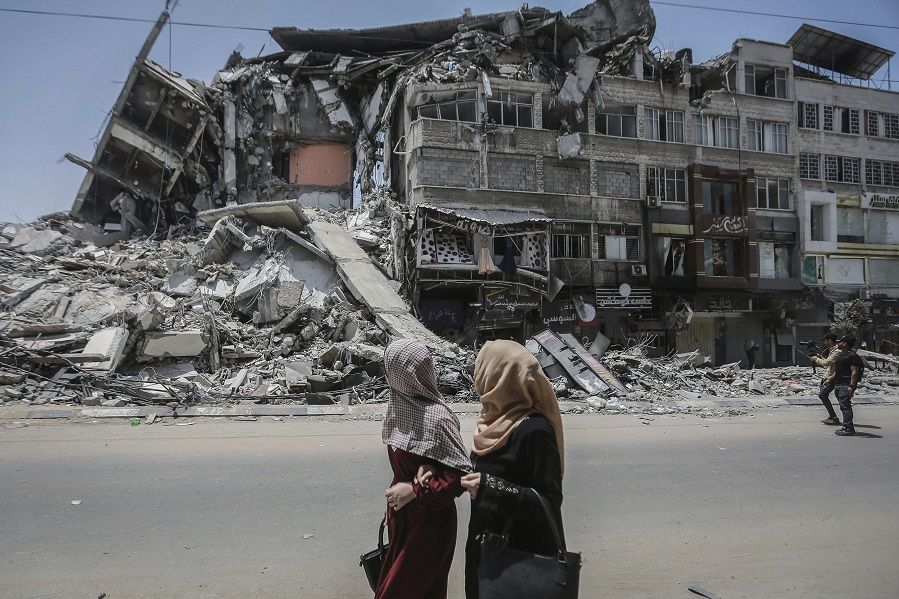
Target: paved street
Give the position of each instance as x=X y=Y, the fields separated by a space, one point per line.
x=770 y=504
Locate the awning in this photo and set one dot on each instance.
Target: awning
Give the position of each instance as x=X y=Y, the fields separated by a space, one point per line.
x=840 y=53
x=491 y=216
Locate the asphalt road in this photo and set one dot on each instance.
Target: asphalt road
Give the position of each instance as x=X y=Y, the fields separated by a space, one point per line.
x=766 y=505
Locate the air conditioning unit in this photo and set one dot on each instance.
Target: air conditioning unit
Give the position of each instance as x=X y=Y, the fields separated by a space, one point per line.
x=654 y=201
x=638 y=270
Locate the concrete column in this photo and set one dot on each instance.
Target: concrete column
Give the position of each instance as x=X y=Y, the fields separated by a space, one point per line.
x=594 y=187
x=591 y=116
x=539 y=159
x=538 y=110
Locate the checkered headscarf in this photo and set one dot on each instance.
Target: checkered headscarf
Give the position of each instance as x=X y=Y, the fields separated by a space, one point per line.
x=418 y=420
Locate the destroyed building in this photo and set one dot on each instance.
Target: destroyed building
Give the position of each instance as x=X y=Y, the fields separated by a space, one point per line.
x=509 y=173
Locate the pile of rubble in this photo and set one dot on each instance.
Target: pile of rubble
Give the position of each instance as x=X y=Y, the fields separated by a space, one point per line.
x=241 y=312
x=689 y=377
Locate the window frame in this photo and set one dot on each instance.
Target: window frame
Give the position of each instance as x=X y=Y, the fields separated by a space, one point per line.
x=780 y=186
x=804 y=161
x=515 y=103
x=568 y=240
x=630 y=233
x=603 y=118
x=658 y=179
x=471 y=98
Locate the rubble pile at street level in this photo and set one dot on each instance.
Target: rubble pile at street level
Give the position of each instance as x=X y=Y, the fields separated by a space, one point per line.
x=243 y=312
x=247 y=312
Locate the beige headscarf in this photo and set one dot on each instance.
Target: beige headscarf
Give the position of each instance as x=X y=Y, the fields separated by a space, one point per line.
x=511 y=385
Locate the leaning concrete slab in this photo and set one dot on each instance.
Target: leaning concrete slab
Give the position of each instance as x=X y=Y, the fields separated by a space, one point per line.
x=369 y=285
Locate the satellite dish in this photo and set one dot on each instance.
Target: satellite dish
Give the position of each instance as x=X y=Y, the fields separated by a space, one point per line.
x=624 y=290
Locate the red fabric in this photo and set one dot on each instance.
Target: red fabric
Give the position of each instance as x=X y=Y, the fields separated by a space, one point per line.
x=422 y=535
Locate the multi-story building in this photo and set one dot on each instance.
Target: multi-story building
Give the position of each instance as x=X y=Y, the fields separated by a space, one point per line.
x=848 y=148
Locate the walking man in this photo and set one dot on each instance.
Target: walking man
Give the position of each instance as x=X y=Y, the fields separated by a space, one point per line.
x=828 y=361
x=848 y=371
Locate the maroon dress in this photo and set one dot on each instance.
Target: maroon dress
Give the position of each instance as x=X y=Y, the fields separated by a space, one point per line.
x=422 y=535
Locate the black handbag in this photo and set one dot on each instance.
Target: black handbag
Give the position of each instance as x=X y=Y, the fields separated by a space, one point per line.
x=508 y=573
x=373 y=561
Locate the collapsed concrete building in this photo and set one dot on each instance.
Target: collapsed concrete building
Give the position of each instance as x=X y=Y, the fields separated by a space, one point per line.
x=527 y=169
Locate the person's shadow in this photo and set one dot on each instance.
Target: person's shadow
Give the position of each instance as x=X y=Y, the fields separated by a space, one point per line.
x=867 y=435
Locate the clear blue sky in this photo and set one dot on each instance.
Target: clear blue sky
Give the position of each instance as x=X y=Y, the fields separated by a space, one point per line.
x=61 y=75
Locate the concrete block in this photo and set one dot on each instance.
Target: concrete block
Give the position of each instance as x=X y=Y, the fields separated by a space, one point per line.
x=109 y=342
x=35 y=241
x=174 y=344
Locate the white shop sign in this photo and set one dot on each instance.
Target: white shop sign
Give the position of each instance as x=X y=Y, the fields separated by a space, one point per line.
x=880 y=201
x=846 y=271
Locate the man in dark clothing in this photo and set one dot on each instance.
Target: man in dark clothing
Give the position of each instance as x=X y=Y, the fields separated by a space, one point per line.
x=845 y=379
x=828 y=360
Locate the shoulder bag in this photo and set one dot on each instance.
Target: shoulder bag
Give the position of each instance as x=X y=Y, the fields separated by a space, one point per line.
x=373 y=561
x=508 y=573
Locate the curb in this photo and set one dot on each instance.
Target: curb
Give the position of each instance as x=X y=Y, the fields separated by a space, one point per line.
x=288 y=410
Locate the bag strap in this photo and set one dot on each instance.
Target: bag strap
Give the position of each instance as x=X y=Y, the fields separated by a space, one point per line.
x=561 y=550
x=381 y=533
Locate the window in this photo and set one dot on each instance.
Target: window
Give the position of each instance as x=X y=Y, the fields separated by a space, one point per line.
x=663 y=125
x=765 y=81
x=817 y=223
x=842 y=169
x=571 y=240
x=619 y=242
x=773 y=194
x=881 y=124
x=883 y=272
x=813 y=270
x=721 y=198
x=841 y=120
x=672 y=254
x=808 y=115
x=511 y=109
x=775 y=260
x=766 y=137
x=720 y=131
x=882 y=227
x=670 y=184
x=452 y=106
x=809 y=166
x=850 y=225
x=617 y=120
x=723 y=257
x=879 y=172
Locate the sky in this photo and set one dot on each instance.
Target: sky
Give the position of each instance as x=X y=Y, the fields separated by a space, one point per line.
x=61 y=75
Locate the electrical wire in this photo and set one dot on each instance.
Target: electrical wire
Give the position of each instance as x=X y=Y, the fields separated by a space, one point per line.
x=770 y=14
x=129 y=19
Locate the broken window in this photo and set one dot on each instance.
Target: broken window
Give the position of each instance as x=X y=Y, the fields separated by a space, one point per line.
x=775 y=260
x=672 y=252
x=719 y=197
x=773 y=194
x=813 y=270
x=618 y=242
x=809 y=166
x=880 y=172
x=718 y=131
x=669 y=184
x=564 y=117
x=511 y=109
x=723 y=257
x=765 y=81
x=451 y=106
x=617 y=120
x=571 y=240
x=808 y=115
x=763 y=136
x=816 y=222
x=663 y=125
x=850 y=225
x=841 y=169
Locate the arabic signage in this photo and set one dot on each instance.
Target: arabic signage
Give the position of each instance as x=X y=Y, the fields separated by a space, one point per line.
x=729 y=304
x=502 y=298
x=730 y=225
x=880 y=201
x=563 y=314
x=613 y=299
x=443 y=314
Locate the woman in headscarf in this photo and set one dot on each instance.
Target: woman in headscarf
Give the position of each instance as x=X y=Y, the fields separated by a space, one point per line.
x=419 y=430
x=517 y=447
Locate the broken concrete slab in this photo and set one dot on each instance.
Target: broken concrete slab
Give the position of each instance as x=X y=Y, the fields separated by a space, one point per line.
x=174 y=344
x=30 y=240
x=110 y=342
x=285 y=213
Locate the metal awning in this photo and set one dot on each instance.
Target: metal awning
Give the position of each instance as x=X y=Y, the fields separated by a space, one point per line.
x=490 y=216
x=835 y=52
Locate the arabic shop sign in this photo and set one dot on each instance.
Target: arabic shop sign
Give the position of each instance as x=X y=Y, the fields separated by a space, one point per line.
x=880 y=201
x=504 y=299
x=443 y=314
x=634 y=299
x=563 y=314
